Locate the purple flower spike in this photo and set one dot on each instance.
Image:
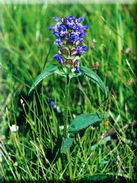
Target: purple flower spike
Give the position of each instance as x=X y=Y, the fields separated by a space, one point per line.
x=69 y=33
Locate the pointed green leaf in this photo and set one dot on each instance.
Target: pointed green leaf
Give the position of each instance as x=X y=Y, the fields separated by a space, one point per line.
x=84 y=120
x=66 y=144
x=94 y=77
x=46 y=72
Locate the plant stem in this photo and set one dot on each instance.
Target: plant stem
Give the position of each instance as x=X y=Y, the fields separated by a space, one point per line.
x=66 y=123
x=66 y=105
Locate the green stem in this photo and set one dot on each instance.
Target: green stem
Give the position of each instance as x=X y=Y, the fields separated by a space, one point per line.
x=66 y=123
x=66 y=105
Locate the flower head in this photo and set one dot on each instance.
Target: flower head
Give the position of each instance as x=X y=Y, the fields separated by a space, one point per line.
x=69 y=33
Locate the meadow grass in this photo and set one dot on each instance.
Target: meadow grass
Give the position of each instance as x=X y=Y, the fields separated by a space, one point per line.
x=26 y=47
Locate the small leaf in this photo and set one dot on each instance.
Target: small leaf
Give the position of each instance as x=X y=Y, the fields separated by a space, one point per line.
x=66 y=144
x=46 y=72
x=84 y=120
x=94 y=77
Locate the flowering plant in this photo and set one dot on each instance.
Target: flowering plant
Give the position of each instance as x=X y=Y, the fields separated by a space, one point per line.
x=70 y=33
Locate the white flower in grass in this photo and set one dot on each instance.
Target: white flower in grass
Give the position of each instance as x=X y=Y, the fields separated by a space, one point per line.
x=14 y=128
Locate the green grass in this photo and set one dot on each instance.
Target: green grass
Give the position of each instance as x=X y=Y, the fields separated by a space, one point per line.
x=26 y=46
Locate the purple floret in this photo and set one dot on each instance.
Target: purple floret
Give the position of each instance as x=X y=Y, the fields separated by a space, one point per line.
x=85 y=27
x=81 y=49
x=58 y=41
x=72 y=38
x=59 y=58
x=70 y=21
x=79 y=20
x=77 y=69
x=62 y=30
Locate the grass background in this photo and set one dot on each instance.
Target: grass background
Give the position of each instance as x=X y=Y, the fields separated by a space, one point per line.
x=26 y=46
